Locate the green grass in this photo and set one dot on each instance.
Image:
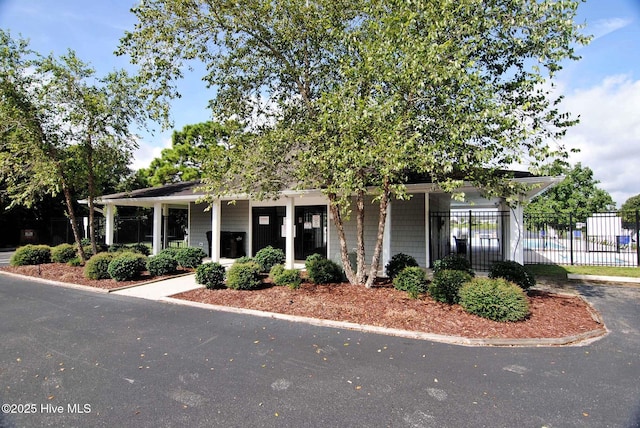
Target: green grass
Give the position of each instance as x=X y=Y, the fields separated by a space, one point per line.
x=561 y=271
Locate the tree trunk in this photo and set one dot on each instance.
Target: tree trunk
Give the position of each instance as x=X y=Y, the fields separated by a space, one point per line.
x=382 y=219
x=91 y=190
x=360 y=251
x=74 y=224
x=344 y=251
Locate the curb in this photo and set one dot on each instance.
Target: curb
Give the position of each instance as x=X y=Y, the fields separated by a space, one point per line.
x=603 y=278
x=574 y=340
x=56 y=283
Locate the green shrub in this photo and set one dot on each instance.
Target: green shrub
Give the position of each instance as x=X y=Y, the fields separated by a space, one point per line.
x=97 y=266
x=127 y=266
x=244 y=276
x=269 y=256
x=116 y=248
x=312 y=258
x=190 y=257
x=211 y=275
x=75 y=262
x=162 y=264
x=324 y=271
x=289 y=277
x=31 y=255
x=276 y=270
x=514 y=272
x=170 y=251
x=411 y=279
x=244 y=259
x=495 y=299
x=453 y=262
x=446 y=284
x=398 y=262
x=138 y=248
x=63 y=253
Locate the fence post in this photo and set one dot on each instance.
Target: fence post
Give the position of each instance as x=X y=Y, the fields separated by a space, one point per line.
x=637 y=240
x=571 y=237
x=469 y=244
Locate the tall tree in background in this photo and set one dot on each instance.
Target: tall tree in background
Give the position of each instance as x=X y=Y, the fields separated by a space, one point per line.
x=629 y=210
x=68 y=129
x=190 y=147
x=577 y=196
x=352 y=96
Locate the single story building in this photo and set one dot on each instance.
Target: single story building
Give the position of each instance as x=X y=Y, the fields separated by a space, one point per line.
x=300 y=223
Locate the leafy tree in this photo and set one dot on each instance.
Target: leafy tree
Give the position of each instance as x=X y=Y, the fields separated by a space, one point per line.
x=629 y=209
x=578 y=196
x=189 y=149
x=352 y=97
x=66 y=129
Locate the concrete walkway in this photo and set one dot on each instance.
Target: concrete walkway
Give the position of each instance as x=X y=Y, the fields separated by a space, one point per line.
x=161 y=289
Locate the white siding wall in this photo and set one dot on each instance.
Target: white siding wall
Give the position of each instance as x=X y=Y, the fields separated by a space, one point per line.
x=235 y=218
x=408 y=228
x=199 y=225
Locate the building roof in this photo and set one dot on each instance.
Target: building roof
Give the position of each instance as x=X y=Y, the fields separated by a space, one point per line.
x=185 y=192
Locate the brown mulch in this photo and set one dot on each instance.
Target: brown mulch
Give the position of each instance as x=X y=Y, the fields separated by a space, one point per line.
x=551 y=315
x=73 y=275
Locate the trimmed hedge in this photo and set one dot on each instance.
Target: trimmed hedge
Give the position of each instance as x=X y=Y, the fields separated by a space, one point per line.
x=97 y=266
x=311 y=259
x=411 y=279
x=127 y=266
x=63 y=253
x=514 y=272
x=446 y=284
x=495 y=299
x=324 y=271
x=398 y=262
x=190 y=257
x=162 y=264
x=243 y=276
x=453 y=262
x=211 y=275
x=268 y=257
x=289 y=277
x=31 y=255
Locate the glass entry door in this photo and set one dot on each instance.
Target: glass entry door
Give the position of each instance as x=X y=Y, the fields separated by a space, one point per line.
x=311 y=231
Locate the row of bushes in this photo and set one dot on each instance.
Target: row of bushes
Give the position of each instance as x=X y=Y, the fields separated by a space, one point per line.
x=66 y=253
x=126 y=265
x=500 y=297
x=247 y=272
x=120 y=262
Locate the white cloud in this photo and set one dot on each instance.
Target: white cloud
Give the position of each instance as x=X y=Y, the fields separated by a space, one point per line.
x=602 y=27
x=608 y=135
x=148 y=151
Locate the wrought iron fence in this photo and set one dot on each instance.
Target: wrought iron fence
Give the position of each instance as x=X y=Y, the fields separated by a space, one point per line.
x=602 y=239
x=480 y=236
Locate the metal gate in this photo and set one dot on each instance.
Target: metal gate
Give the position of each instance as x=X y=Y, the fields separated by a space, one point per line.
x=481 y=236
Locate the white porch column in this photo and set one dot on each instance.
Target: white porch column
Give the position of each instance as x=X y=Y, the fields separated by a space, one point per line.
x=157 y=228
x=165 y=221
x=386 y=240
x=516 y=233
x=216 y=214
x=289 y=222
x=109 y=211
x=427 y=231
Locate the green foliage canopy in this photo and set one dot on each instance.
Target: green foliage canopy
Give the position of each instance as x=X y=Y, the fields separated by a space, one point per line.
x=350 y=96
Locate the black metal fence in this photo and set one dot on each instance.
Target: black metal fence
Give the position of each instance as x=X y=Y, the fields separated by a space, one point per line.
x=602 y=239
x=481 y=236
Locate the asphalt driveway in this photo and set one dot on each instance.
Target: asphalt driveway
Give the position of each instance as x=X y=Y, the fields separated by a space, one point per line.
x=76 y=358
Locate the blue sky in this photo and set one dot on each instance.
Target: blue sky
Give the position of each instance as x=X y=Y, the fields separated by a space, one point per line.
x=603 y=87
